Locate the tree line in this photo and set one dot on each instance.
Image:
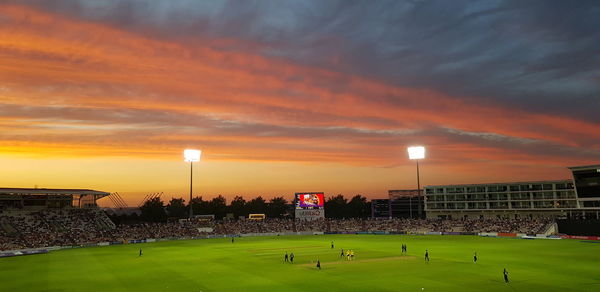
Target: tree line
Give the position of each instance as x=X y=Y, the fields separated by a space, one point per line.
x=155 y=209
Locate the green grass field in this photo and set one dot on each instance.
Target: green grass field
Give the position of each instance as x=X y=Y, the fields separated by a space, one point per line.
x=256 y=264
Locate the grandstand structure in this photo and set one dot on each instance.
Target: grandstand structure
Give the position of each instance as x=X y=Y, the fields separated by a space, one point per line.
x=41 y=198
x=587 y=186
x=400 y=204
x=39 y=217
x=577 y=198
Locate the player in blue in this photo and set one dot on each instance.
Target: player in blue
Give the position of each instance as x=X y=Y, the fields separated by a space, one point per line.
x=318 y=264
x=292 y=258
x=427 y=255
x=342 y=254
x=505 y=273
x=285 y=258
x=140 y=252
x=475 y=257
x=332 y=245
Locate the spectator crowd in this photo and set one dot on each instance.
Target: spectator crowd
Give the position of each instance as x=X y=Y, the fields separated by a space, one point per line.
x=72 y=227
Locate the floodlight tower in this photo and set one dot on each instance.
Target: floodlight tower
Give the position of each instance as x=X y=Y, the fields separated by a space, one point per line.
x=191 y=156
x=416 y=153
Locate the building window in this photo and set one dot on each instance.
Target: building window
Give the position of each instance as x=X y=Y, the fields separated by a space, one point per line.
x=591 y=204
x=536 y=187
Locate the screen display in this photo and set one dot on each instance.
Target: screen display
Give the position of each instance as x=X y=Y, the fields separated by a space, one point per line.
x=310 y=200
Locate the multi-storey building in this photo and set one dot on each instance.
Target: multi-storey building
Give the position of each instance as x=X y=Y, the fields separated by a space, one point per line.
x=515 y=199
x=556 y=198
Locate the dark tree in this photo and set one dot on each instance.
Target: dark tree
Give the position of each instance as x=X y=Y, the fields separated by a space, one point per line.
x=358 y=207
x=336 y=207
x=177 y=208
x=153 y=210
x=218 y=207
x=258 y=205
x=200 y=206
x=276 y=208
x=238 y=207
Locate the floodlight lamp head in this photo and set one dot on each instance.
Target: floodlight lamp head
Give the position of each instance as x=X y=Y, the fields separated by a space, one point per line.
x=416 y=152
x=191 y=155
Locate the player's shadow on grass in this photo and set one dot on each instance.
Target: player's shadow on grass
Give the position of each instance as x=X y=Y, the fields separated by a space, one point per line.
x=592 y=283
x=510 y=284
x=501 y=282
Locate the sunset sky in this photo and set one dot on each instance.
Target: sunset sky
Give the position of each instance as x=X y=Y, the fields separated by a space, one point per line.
x=291 y=96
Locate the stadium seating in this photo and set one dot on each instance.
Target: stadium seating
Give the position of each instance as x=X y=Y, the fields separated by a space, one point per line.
x=70 y=227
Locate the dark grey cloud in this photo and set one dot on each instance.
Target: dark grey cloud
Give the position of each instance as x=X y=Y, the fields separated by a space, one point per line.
x=541 y=55
x=521 y=145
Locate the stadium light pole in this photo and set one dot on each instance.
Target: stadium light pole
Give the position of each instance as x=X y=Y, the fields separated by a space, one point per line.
x=191 y=156
x=416 y=153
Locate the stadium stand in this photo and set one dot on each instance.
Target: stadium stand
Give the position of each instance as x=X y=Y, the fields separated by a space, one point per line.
x=76 y=227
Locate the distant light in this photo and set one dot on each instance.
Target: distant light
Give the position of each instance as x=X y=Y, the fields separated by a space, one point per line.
x=416 y=152
x=191 y=155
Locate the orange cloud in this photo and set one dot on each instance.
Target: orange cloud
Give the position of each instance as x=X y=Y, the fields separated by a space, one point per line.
x=53 y=67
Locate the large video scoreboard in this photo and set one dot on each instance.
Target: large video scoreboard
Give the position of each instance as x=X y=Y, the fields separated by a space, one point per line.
x=309 y=206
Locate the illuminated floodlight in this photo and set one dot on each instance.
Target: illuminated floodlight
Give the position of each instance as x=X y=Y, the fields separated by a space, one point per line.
x=416 y=152
x=191 y=155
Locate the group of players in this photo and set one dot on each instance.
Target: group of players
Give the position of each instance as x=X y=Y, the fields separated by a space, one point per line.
x=349 y=253
x=289 y=257
x=350 y=256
